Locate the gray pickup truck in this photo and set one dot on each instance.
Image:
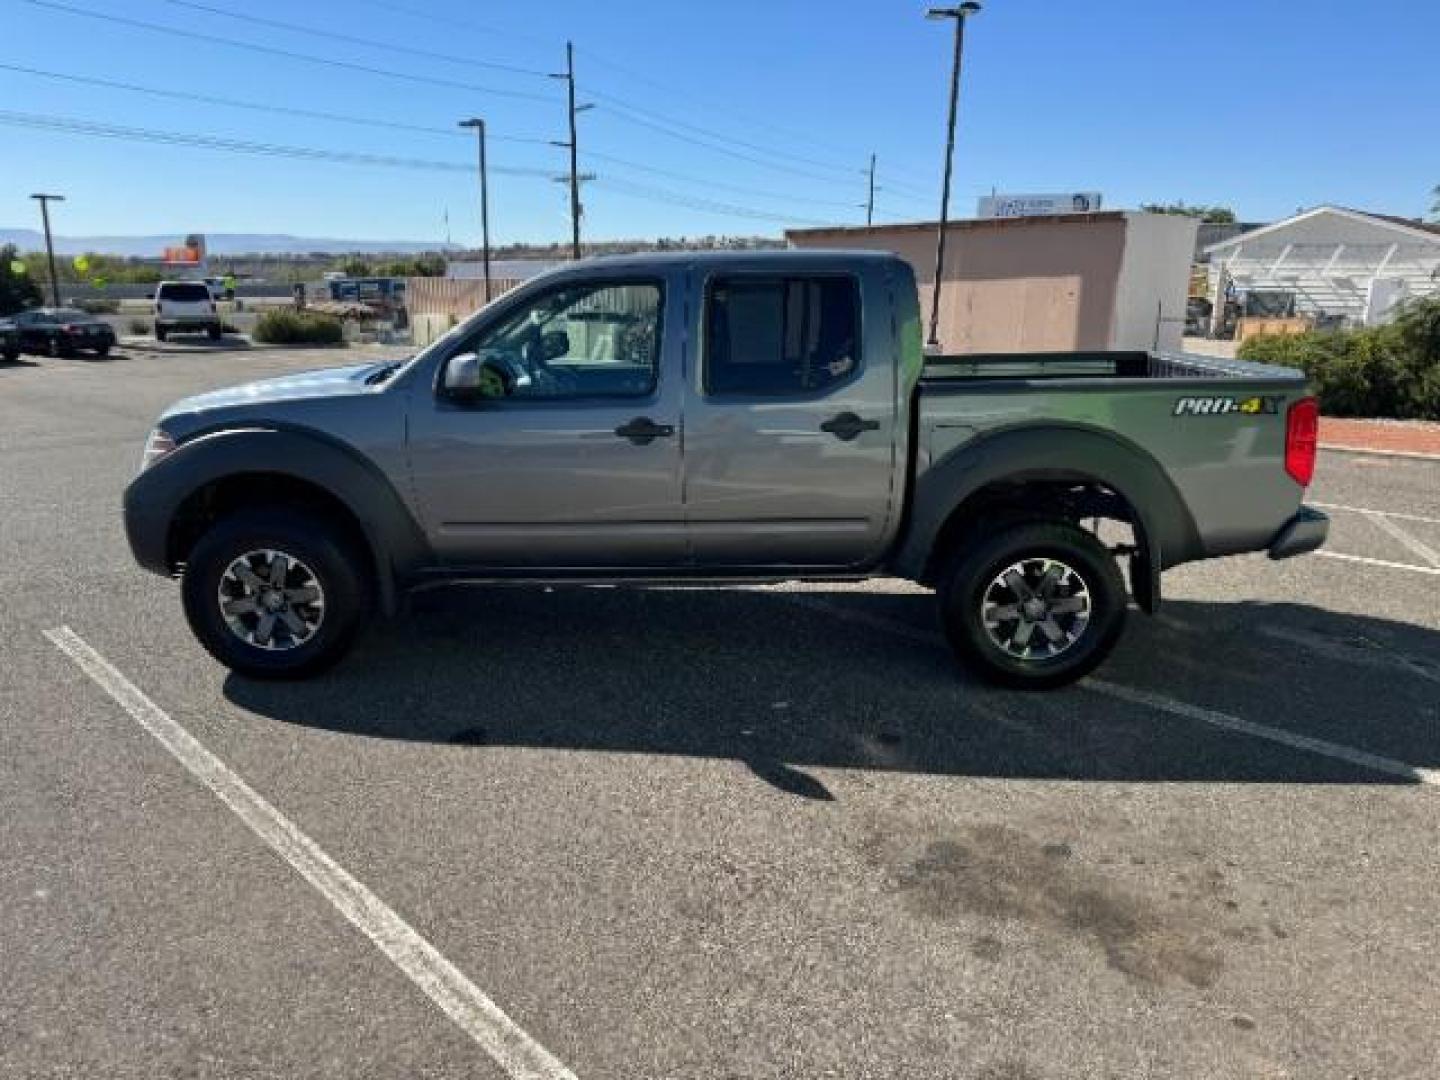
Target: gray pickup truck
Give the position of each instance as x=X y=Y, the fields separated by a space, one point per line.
x=721 y=418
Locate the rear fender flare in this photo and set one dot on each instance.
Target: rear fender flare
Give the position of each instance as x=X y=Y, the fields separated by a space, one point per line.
x=1052 y=452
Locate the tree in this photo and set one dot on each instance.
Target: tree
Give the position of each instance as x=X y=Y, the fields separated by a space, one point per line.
x=1435 y=206
x=1211 y=215
x=18 y=291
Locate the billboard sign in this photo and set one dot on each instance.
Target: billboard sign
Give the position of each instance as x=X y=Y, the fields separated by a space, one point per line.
x=191 y=253
x=1011 y=206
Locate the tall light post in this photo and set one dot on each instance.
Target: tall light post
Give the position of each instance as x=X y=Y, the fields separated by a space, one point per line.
x=479 y=126
x=45 y=201
x=959 y=14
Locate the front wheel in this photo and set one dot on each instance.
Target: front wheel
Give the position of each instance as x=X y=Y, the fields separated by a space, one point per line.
x=274 y=593
x=1034 y=606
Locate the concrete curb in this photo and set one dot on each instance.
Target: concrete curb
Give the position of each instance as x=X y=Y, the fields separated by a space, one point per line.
x=1413 y=454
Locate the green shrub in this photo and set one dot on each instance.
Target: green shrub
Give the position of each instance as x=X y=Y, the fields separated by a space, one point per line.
x=98 y=306
x=1390 y=371
x=283 y=326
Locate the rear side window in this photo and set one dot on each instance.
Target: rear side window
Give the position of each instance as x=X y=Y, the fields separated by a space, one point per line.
x=778 y=337
x=185 y=292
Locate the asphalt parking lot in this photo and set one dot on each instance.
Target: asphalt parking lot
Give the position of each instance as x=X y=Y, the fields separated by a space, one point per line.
x=755 y=833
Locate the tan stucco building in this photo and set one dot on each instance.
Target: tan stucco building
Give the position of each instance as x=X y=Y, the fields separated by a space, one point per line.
x=1107 y=280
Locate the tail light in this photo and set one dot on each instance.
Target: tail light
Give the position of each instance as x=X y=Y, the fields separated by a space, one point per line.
x=1302 y=435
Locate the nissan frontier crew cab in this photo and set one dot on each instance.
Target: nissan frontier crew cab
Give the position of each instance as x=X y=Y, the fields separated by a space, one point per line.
x=722 y=418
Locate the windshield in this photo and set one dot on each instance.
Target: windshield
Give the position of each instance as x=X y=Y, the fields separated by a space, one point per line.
x=185 y=292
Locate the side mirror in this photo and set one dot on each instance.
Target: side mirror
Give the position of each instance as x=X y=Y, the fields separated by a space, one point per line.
x=469 y=378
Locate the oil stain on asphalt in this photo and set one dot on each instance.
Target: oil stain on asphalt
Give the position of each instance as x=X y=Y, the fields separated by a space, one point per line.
x=996 y=872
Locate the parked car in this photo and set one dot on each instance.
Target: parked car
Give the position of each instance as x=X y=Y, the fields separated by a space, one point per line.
x=721 y=417
x=9 y=341
x=63 y=332
x=186 y=307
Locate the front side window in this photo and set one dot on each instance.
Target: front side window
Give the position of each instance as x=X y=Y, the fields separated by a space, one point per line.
x=586 y=340
x=777 y=337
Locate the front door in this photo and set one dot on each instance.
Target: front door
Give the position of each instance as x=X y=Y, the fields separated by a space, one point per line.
x=576 y=462
x=790 y=421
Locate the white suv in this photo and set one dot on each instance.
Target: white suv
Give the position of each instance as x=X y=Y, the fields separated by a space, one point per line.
x=185 y=307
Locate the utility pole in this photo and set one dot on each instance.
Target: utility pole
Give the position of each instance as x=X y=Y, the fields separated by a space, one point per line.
x=479 y=126
x=45 y=201
x=870 y=201
x=959 y=14
x=569 y=76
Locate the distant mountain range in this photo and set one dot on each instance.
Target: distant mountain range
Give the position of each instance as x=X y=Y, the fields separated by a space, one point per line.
x=215 y=244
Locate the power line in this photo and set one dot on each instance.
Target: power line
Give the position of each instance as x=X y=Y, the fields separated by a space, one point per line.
x=81 y=126
x=676 y=91
x=235 y=103
x=644 y=191
x=346 y=65
x=715 y=184
x=332 y=35
x=654 y=116
x=99 y=129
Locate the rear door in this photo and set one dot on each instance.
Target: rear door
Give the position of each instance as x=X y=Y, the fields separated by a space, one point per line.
x=578 y=466
x=790 y=420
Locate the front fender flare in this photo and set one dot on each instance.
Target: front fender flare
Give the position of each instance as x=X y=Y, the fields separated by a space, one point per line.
x=395 y=540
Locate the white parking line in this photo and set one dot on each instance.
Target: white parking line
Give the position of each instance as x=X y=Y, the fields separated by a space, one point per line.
x=1225 y=721
x=1417 y=546
x=484 y=1021
x=1323 y=747
x=1368 y=510
x=1367 y=561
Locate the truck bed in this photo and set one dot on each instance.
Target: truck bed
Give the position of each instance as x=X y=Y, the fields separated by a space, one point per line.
x=1215 y=427
x=1109 y=365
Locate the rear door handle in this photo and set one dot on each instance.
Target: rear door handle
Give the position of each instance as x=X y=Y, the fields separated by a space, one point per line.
x=848 y=426
x=642 y=430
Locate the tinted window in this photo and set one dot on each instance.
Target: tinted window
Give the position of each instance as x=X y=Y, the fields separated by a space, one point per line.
x=187 y=292
x=579 y=341
x=779 y=336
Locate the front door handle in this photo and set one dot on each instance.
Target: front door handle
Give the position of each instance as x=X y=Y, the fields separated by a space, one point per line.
x=642 y=430
x=848 y=426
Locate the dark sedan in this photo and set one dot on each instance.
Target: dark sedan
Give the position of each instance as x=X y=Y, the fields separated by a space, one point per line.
x=9 y=340
x=63 y=332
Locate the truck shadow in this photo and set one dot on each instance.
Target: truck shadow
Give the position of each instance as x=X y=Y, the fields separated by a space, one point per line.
x=786 y=682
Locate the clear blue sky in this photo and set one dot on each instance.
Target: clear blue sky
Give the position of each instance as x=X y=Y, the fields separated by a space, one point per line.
x=1265 y=105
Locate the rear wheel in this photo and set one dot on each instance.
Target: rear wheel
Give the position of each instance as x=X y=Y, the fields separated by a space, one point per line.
x=103 y=350
x=56 y=347
x=160 y=332
x=1034 y=606
x=214 y=333
x=275 y=594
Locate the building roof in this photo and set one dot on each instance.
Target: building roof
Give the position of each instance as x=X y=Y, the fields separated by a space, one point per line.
x=959 y=223
x=1409 y=226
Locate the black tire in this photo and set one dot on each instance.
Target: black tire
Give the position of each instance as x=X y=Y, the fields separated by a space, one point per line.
x=57 y=348
x=11 y=355
x=322 y=549
x=160 y=333
x=214 y=333
x=103 y=350
x=972 y=579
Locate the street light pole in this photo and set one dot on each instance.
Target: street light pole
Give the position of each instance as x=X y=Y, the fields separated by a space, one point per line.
x=959 y=14
x=45 y=201
x=479 y=126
